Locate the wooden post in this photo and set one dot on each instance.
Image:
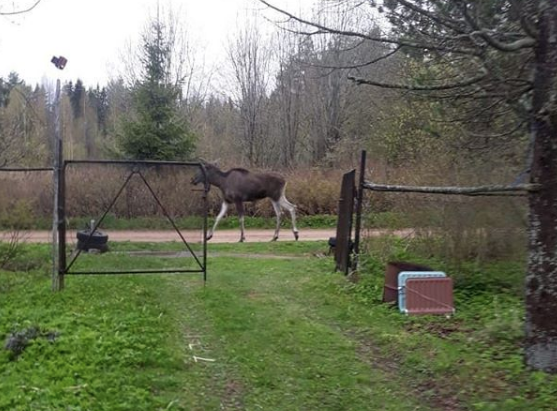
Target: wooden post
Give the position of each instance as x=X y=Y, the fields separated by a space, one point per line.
x=206 y=188
x=499 y=190
x=359 y=200
x=61 y=219
x=344 y=224
x=57 y=268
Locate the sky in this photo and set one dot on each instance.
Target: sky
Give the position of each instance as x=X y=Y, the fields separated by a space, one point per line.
x=93 y=34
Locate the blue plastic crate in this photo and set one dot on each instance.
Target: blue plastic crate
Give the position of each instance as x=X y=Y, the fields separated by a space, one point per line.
x=405 y=275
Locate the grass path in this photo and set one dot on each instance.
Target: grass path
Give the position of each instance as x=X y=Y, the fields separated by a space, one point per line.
x=272 y=346
x=265 y=333
x=128 y=343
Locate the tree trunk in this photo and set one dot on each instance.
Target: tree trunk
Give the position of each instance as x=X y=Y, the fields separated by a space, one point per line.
x=541 y=279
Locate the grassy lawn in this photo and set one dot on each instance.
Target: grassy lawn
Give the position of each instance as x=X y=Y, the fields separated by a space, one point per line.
x=265 y=333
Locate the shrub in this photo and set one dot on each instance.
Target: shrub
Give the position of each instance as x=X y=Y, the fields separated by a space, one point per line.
x=455 y=228
x=90 y=189
x=19 y=215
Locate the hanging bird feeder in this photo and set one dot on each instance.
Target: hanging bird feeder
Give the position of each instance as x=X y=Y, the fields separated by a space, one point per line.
x=59 y=62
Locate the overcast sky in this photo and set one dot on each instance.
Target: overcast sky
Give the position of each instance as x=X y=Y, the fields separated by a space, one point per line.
x=92 y=34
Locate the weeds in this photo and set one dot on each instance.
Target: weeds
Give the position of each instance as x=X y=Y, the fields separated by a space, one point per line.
x=91 y=189
x=10 y=249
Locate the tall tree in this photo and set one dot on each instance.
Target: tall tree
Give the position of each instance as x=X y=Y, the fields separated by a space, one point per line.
x=250 y=59
x=157 y=131
x=77 y=99
x=6 y=86
x=4 y=92
x=287 y=96
x=500 y=57
x=21 y=127
x=98 y=100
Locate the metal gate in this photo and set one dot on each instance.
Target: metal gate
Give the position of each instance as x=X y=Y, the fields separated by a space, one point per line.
x=134 y=169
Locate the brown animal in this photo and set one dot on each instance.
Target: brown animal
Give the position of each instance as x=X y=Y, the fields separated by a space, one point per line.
x=239 y=185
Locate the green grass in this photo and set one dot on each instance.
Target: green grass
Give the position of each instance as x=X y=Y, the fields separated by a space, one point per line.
x=284 y=334
x=110 y=352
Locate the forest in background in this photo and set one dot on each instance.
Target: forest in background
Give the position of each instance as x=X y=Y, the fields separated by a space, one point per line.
x=280 y=101
x=285 y=101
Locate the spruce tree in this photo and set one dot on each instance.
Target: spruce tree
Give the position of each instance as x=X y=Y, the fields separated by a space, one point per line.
x=76 y=98
x=157 y=131
x=98 y=100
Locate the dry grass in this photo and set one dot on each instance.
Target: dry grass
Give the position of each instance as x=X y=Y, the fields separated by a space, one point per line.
x=23 y=197
x=457 y=228
x=91 y=189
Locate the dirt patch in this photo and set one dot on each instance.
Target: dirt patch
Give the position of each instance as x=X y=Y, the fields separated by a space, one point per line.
x=369 y=353
x=440 y=330
x=233 y=394
x=437 y=394
x=439 y=397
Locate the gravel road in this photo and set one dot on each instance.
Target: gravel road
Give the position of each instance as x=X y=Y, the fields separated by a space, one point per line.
x=221 y=236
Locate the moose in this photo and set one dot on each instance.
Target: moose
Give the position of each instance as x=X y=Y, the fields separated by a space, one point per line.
x=239 y=185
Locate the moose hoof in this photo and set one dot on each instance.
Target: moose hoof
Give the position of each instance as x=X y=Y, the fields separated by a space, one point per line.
x=275 y=238
x=209 y=236
x=242 y=240
x=296 y=236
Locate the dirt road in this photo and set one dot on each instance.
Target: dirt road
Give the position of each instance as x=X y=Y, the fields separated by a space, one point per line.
x=221 y=236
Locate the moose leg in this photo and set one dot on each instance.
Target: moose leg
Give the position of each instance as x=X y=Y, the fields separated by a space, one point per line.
x=240 y=208
x=284 y=203
x=278 y=212
x=222 y=213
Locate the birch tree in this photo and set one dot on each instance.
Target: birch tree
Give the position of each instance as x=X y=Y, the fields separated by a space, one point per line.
x=250 y=59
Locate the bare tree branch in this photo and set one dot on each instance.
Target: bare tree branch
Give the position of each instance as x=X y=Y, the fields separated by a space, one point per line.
x=525 y=42
x=499 y=135
x=355 y=66
x=449 y=23
x=12 y=13
x=322 y=29
x=464 y=83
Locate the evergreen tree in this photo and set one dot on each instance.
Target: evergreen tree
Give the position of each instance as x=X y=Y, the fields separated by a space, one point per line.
x=4 y=92
x=6 y=87
x=76 y=99
x=98 y=99
x=14 y=80
x=68 y=88
x=157 y=131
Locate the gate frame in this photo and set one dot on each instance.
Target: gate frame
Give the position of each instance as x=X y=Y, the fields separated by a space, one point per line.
x=63 y=268
x=350 y=202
